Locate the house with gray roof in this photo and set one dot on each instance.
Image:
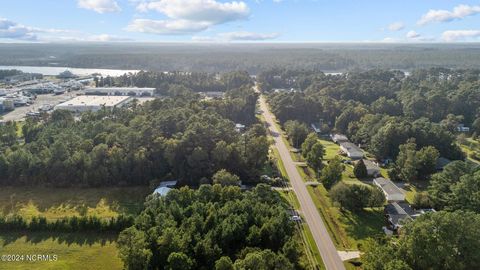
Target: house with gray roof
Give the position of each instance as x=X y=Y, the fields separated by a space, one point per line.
x=351 y=150
x=372 y=167
x=397 y=213
x=390 y=190
x=339 y=138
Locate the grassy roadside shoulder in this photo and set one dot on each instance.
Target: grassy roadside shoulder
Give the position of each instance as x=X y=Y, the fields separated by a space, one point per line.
x=311 y=253
x=311 y=257
x=348 y=230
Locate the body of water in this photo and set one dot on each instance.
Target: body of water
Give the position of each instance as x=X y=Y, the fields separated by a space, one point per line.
x=52 y=71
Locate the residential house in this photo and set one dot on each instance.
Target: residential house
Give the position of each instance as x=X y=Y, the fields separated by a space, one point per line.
x=372 y=168
x=390 y=190
x=339 y=138
x=351 y=150
x=397 y=213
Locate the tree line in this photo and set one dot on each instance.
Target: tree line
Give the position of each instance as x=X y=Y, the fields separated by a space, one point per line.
x=381 y=109
x=66 y=224
x=166 y=82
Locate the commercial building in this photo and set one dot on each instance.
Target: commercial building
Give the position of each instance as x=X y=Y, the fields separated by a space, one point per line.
x=390 y=190
x=92 y=103
x=351 y=150
x=121 y=91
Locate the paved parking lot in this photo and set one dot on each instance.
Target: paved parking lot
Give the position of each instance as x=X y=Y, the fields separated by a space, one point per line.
x=20 y=112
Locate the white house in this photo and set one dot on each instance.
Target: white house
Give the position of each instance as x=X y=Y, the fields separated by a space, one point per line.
x=390 y=190
x=372 y=168
x=351 y=150
x=339 y=138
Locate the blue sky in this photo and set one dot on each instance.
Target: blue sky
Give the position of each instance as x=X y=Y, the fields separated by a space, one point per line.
x=240 y=21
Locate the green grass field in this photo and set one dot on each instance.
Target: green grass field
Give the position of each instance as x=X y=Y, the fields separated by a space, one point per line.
x=331 y=149
x=54 y=203
x=74 y=251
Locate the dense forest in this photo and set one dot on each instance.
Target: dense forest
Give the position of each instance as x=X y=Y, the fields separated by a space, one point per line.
x=213 y=227
x=175 y=83
x=213 y=58
x=381 y=109
x=181 y=138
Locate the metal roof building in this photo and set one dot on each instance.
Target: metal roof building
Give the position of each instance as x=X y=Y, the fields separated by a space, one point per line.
x=398 y=213
x=352 y=151
x=339 y=138
x=391 y=191
x=372 y=167
x=92 y=103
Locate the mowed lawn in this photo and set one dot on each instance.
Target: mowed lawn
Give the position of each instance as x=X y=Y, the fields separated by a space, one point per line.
x=348 y=230
x=54 y=203
x=74 y=250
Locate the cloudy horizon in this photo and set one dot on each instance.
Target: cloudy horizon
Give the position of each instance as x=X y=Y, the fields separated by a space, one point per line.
x=219 y=21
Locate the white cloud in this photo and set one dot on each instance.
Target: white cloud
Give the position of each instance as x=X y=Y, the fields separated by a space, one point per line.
x=10 y=30
x=242 y=35
x=396 y=26
x=458 y=12
x=166 y=27
x=237 y=36
x=388 y=40
x=456 y=35
x=100 y=6
x=107 y=38
x=187 y=16
x=198 y=10
x=13 y=30
x=412 y=35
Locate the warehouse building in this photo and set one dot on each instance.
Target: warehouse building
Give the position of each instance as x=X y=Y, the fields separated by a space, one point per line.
x=92 y=103
x=121 y=91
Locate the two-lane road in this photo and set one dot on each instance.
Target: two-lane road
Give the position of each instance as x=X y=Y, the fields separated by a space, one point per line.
x=327 y=249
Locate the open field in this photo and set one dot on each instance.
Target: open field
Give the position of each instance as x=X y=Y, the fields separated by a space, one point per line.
x=74 y=251
x=54 y=203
